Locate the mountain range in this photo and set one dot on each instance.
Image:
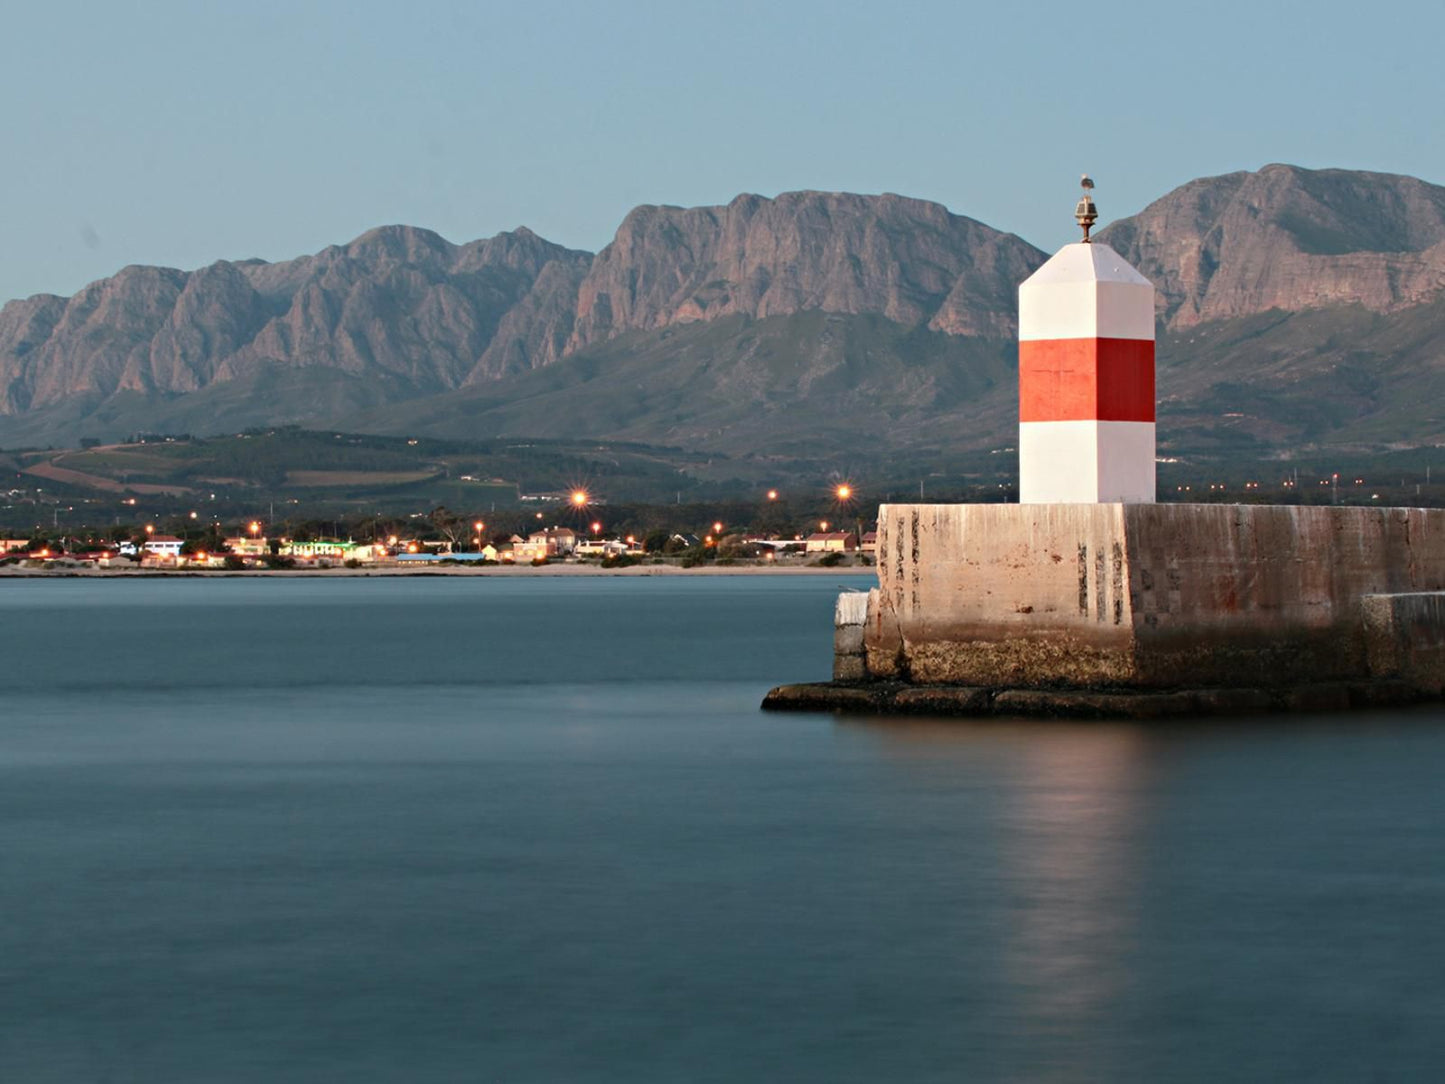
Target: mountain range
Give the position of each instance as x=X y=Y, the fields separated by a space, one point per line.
x=1296 y=308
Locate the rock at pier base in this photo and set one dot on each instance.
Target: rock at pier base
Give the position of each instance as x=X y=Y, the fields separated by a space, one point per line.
x=897 y=698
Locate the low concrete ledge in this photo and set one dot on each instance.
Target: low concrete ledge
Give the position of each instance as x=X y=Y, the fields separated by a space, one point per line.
x=850 y=662
x=896 y=698
x=1405 y=637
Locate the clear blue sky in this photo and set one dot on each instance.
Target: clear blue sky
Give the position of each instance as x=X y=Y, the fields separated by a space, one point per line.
x=180 y=133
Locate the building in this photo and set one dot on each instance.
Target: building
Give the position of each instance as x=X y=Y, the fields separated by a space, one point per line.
x=247 y=546
x=531 y=549
x=553 y=542
x=610 y=547
x=831 y=542
x=157 y=545
x=326 y=549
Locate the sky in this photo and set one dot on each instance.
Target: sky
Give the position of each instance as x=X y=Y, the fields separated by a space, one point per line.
x=182 y=133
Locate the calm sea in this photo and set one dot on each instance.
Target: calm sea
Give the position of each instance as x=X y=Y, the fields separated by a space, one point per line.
x=537 y=830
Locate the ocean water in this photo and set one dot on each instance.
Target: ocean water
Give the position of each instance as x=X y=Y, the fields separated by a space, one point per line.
x=536 y=829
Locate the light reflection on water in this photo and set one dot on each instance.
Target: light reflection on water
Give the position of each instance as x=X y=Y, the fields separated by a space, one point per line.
x=1072 y=852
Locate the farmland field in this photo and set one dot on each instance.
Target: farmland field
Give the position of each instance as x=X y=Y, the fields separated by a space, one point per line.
x=316 y=479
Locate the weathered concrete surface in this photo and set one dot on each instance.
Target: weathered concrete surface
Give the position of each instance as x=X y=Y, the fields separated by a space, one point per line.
x=849 y=617
x=898 y=698
x=1138 y=596
x=1405 y=637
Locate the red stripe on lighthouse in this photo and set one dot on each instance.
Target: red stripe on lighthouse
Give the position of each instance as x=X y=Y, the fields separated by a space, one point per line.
x=1107 y=380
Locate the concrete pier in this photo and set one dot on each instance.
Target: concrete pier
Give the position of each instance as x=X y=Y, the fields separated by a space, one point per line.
x=1004 y=604
x=1144 y=595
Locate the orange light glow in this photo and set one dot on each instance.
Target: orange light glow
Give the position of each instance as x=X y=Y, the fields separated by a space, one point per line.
x=717 y=527
x=150 y=528
x=579 y=498
x=844 y=491
x=479 y=526
x=823 y=526
x=596 y=527
x=254 y=528
x=772 y=494
x=411 y=547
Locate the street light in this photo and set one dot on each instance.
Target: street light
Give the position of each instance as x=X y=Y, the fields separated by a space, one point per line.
x=479 y=526
x=844 y=491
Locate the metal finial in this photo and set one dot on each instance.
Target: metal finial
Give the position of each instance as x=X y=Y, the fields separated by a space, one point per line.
x=1085 y=213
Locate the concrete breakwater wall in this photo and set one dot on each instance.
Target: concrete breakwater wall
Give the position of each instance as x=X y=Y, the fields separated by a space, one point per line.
x=1146 y=596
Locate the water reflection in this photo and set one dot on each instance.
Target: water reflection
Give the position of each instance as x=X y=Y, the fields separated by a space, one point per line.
x=1067 y=843
x=1072 y=862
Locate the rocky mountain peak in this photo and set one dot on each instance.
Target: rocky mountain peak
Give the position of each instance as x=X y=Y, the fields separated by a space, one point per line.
x=909 y=260
x=1287 y=238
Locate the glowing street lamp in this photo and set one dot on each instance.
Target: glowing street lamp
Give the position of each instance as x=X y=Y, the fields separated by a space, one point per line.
x=478 y=527
x=844 y=491
x=596 y=527
x=772 y=494
x=579 y=498
x=717 y=527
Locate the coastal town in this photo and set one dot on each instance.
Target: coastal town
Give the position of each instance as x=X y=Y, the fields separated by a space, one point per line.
x=253 y=548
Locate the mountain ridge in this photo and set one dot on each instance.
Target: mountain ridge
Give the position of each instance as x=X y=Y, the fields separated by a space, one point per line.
x=865 y=307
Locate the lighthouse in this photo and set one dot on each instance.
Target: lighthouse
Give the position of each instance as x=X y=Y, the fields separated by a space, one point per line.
x=1086 y=376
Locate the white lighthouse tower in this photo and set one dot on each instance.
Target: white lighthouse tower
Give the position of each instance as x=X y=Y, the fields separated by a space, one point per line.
x=1086 y=376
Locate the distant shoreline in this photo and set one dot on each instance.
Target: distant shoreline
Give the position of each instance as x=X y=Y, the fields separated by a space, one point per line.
x=17 y=572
